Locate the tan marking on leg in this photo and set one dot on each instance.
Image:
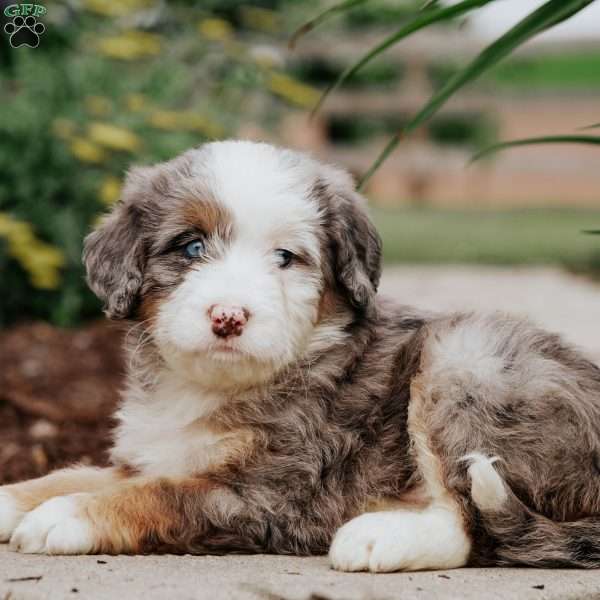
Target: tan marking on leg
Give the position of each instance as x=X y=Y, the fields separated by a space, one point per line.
x=430 y=466
x=145 y=515
x=428 y=462
x=30 y=494
x=416 y=498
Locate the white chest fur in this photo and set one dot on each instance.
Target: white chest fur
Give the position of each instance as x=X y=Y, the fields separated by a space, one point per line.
x=168 y=432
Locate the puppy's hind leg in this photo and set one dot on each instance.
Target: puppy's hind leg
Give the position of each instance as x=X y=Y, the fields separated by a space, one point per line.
x=408 y=540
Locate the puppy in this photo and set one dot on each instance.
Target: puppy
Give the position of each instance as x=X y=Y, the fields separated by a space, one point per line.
x=275 y=404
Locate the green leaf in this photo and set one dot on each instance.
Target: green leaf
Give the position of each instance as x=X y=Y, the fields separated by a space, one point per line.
x=550 y=139
x=422 y=20
x=591 y=231
x=548 y=15
x=320 y=18
x=383 y=156
x=430 y=4
x=588 y=127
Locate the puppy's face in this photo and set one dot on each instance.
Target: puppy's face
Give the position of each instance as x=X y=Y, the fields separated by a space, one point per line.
x=238 y=257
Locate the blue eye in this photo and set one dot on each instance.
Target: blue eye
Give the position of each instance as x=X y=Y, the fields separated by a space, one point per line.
x=285 y=257
x=194 y=249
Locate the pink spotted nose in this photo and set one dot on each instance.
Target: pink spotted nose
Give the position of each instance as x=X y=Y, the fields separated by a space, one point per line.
x=227 y=321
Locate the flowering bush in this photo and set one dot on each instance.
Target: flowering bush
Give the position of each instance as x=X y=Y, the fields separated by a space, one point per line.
x=111 y=84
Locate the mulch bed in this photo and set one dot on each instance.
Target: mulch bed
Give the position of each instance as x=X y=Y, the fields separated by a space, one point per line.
x=58 y=389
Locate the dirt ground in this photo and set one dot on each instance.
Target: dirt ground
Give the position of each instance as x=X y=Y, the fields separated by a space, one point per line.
x=59 y=387
x=57 y=391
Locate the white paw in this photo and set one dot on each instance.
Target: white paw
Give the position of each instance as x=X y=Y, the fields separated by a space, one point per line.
x=55 y=527
x=400 y=541
x=10 y=515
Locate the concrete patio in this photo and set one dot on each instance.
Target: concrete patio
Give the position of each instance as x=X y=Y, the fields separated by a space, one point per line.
x=268 y=577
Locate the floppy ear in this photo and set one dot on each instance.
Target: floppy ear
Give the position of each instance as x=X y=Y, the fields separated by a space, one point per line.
x=353 y=239
x=114 y=258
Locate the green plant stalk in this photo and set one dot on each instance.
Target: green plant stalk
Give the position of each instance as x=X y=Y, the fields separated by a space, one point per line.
x=550 y=139
x=320 y=18
x=545 y=17
x=430 y=4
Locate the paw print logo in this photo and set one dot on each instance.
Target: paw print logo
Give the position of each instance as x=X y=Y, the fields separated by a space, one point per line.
x=24 y=31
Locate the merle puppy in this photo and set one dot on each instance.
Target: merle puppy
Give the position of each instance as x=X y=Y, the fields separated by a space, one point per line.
x=276 y=404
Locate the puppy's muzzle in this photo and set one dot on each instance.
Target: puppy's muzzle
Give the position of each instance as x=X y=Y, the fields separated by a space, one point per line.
x=228 y=321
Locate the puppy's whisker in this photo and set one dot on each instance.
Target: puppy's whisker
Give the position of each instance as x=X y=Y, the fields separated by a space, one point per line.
x=135 y=327
x=144 y=340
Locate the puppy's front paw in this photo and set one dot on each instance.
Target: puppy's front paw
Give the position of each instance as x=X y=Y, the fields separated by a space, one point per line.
x=10 y=514
x=58 y=526
x=382 y=542
x=353 y=544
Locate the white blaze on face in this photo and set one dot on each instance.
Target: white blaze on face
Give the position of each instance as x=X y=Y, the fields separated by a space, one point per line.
x=268 y=199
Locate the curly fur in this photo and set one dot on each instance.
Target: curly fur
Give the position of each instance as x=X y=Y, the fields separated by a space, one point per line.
x=479 y=430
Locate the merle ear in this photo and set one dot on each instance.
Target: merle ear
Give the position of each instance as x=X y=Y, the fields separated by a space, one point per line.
x=353 y=239
x=114 y=256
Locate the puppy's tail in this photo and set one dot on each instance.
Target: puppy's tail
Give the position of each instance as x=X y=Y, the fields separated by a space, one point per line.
x=514 y=535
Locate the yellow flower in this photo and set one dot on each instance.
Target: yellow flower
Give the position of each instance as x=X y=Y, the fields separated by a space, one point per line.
x=110 y=190
x=136 y=102
x=99 y=106
x=113 y=137
x=262 y=19
x=130 y=45
x=171 y=120
x=7 y=224
x=45 y=280
x=41 y=260
x=196 y=122
x=116 y=9
x=164 y=119
x=63 y=128
x=291 y=90
x=87 y=151
x=215 y=29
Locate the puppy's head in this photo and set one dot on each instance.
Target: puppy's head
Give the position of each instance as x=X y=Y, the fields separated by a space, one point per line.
x=239 y=257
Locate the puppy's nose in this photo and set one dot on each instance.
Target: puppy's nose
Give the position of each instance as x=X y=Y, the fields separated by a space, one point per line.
x=227 y=320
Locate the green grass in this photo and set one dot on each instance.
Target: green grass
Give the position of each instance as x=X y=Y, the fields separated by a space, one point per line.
x=558 y=71
x=569 y=71
x=512 y=237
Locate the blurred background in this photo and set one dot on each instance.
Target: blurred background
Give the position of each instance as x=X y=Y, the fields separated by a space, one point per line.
x=138 y=81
